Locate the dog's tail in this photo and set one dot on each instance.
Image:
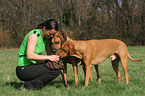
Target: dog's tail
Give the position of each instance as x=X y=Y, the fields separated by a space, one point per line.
x=132 y=58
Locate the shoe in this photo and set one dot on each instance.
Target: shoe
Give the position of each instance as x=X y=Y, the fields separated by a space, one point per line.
x=33 y=85
x=29 y=85
x=38 y=84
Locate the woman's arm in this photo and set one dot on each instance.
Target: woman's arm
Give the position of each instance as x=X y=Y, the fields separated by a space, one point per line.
x=32 y=41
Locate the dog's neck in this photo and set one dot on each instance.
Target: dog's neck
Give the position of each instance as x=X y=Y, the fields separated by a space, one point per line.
x=79 y=50
x=69 y=39
x=78 y=44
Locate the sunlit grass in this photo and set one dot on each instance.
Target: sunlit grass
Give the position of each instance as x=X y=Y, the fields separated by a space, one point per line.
x=10 y=84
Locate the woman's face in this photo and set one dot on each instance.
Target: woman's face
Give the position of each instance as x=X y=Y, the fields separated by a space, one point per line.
x=49 y=33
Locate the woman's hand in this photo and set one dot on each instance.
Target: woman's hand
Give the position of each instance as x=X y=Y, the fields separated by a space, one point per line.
x=54 y=58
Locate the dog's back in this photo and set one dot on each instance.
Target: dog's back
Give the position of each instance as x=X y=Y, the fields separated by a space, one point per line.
x=99 y=45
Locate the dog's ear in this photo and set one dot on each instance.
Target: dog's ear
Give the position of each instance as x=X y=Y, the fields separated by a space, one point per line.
x=63 y=37
x=71 y=49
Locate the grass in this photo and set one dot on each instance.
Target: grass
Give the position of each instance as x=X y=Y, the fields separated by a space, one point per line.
x=10 y=84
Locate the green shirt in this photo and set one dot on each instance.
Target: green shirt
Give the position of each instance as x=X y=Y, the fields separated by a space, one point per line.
x=39 y=49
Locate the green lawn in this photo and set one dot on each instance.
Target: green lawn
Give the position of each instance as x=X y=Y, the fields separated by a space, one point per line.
x=10 y=84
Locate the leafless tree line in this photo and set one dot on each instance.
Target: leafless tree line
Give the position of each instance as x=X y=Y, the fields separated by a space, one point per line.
x=79 y=19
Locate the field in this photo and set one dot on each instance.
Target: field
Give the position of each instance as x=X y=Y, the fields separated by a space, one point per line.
x=10 y=84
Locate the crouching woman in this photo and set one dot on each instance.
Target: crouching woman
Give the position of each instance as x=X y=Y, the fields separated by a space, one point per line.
x=36 y=75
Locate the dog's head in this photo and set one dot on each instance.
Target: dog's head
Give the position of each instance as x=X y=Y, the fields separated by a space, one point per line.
x=67 y=49
x=57 y=41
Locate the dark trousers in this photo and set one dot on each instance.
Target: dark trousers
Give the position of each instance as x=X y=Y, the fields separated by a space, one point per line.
x=37 y=74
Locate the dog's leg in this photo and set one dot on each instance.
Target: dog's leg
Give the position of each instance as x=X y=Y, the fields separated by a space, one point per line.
x=97 y=71
x=88 y=73
x=115 y=64
x=84 y=68
x=65 y=73
x=75 y=73
x=63 y=78
x=124 y=65
x=91 y=78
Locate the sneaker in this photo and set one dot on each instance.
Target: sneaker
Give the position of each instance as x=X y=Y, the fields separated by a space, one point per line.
x=29 y=85
x=33 y=85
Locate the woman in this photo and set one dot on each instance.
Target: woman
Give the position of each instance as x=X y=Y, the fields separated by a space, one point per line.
x=36 y=75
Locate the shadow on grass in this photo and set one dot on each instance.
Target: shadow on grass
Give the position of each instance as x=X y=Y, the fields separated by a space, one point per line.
x=60 y=83
x=18 y=85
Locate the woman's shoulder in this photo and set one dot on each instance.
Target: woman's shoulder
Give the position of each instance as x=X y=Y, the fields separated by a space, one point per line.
x=35 y=31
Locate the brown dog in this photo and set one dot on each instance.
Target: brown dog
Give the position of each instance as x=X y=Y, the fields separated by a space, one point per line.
x=57 y=41
x=96 y=51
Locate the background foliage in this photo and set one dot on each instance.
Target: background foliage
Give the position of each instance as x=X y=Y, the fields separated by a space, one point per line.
x=79 y=19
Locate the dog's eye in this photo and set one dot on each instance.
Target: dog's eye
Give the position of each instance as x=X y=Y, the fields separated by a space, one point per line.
x=64 y=50
x=56 y=42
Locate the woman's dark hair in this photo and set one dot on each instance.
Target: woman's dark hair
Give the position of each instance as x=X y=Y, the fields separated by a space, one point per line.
x=49 y=24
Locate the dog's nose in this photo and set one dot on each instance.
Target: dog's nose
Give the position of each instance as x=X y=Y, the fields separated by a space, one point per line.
x=54 y=51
